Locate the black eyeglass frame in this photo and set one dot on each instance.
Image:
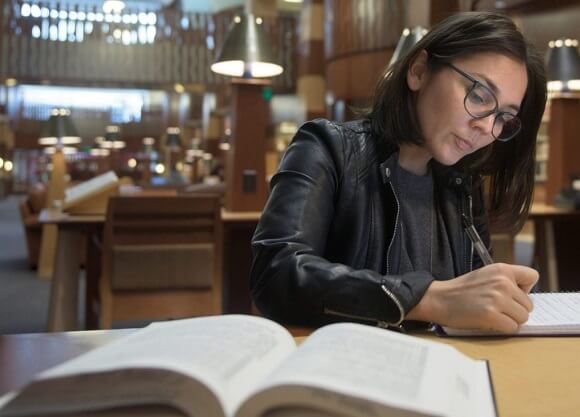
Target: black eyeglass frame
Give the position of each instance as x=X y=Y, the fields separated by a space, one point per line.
x=495 y=110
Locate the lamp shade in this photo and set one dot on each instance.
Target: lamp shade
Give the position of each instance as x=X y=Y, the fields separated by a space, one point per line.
x=408 y=39
x=112 y=138
x=247 y=51
x=59 y=130
x=173 y=141
x=563 y=65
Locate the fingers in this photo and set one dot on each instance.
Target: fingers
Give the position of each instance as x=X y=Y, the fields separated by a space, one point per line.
x=514 y=306
x=525 y=277
x=505 y=324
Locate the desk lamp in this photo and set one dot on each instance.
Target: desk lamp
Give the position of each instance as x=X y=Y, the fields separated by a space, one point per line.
x=247 y=51
x=563 y=68
x=563 y=65
x=247 y=55
x=112 y=141
x=58 y=132
x=173 y=147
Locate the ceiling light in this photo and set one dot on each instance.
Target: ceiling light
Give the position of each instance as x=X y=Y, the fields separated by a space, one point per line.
x=113 y=6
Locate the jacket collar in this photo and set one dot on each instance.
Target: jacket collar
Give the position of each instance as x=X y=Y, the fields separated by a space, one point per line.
x=445 y=176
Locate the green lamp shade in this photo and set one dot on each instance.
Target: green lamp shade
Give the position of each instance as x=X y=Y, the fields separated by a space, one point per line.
x=247 y=51
x=59 y=130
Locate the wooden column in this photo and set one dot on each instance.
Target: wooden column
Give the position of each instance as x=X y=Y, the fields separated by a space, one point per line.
x=359 y=39
x=564 y=142
x=55 y=192
x=245 y=162
x=311 y=82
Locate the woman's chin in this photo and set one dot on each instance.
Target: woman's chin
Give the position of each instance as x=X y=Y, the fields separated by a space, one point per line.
x=448 y=159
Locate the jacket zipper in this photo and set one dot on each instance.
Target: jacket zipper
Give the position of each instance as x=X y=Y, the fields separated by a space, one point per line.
x=347 y=315
x=396 y=224
x=470 y=202
x=380 y=323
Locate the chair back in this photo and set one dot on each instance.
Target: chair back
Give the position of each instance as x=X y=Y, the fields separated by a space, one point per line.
x=163 y=248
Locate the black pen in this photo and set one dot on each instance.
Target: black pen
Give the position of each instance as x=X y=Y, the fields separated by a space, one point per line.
x=476 y=240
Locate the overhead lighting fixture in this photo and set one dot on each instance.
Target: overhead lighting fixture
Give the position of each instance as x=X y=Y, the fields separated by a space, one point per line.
x=247 y=51
x=173 y=140
x=113 y=6
x=563 y=64
x=113 y=138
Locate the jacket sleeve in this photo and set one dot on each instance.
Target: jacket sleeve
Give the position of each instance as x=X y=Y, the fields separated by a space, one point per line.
x=291 y=281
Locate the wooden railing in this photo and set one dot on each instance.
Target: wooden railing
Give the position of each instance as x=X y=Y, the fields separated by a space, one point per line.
x=371 y=25
x=78 y=46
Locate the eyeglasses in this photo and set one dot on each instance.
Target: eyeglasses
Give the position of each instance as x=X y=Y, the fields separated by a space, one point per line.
x=480 y=102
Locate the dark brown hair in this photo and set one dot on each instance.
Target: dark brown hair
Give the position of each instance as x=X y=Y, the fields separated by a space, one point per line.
x=510 y=165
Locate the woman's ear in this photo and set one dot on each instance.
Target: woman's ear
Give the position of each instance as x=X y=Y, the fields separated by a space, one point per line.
x=418 y=71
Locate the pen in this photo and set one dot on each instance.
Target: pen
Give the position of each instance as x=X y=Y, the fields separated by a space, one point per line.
x=476 y=240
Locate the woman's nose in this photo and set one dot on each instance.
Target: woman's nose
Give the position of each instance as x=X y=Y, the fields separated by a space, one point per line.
x=484 y=124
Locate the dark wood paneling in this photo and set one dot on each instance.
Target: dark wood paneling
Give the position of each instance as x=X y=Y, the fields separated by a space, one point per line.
x=564 y=145
x=248 y=147
x=355 y=76
x=364 y=25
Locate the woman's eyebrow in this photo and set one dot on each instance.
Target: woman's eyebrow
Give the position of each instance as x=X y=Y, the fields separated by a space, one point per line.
x=495 y=90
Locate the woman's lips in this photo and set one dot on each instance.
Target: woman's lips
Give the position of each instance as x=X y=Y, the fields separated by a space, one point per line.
x=463 y=144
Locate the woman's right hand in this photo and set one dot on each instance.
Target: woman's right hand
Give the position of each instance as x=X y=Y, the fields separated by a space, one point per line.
x=494 y=297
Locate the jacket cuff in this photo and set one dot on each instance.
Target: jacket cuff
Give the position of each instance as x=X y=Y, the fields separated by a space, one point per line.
x=409 y=288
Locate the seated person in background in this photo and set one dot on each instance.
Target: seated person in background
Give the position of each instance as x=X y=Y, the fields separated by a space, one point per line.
x=365 y=219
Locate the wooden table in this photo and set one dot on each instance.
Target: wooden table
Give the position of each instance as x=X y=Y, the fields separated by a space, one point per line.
x=64 y=290
x=532 y=377
x=238 y=228
x=556 y=245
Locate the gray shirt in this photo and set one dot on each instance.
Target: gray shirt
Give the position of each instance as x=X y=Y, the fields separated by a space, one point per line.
x=420 y=226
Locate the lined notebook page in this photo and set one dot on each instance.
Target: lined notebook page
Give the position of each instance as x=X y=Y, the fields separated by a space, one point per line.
x=553 y=314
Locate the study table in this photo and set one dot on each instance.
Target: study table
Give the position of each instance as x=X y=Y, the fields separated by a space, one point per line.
x=556 y=232
x=532 y=376
x=238 y=228
x=64 y=289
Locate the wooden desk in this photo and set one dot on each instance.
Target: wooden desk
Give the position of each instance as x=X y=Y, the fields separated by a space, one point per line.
x=63 y=306
x=556 y=234
x=24 y=355
x=238 y=228
x=533 y=377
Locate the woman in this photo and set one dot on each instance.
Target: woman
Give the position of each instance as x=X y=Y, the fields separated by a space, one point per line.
x=366 y=220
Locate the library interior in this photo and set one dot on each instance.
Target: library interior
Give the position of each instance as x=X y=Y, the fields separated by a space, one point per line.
x=141 y=144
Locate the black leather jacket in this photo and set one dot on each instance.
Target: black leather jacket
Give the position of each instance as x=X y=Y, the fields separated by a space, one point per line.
x=320 y=248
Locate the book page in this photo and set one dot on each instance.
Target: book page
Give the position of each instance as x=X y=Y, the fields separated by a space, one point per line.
x=89 y=187
x=553 y=314
x=229 y=354
x=354 y=370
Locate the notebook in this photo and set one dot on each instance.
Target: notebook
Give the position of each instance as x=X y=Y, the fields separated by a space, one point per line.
x=553 y=314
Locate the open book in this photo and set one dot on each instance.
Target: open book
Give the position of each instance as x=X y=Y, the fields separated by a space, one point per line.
x=553 y=314
x=247 y=366
x=92 y=196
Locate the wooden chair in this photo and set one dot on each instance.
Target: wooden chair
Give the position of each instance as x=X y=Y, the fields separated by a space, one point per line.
x=161 y=258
